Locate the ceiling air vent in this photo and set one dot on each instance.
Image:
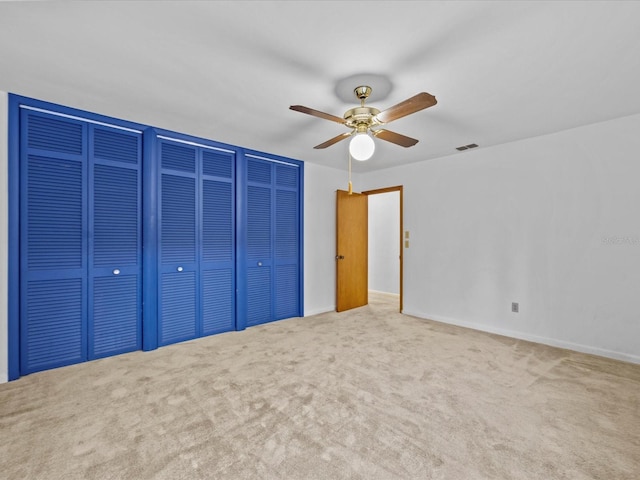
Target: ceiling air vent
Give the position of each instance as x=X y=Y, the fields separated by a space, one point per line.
x=467 y=147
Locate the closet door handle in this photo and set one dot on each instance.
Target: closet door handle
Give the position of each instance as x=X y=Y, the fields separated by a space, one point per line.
x=179 y=269
x=116 y=271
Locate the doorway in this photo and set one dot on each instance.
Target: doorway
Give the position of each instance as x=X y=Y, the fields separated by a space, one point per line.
x=352 y=239
x=385 y=235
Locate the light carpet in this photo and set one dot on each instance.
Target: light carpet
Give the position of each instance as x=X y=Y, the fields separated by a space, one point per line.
x=366 y=394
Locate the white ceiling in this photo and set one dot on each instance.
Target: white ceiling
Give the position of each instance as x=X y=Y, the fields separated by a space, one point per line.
x=228 y=71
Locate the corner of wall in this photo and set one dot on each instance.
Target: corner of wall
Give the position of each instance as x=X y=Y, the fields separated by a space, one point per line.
x=320 y=185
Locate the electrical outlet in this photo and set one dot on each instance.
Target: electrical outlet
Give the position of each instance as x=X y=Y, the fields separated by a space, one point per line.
x=515 y=307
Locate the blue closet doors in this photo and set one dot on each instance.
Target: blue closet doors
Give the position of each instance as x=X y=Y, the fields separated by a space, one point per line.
x=80 y=240
x=270 y=268
x=131 y=237
x=196 y=248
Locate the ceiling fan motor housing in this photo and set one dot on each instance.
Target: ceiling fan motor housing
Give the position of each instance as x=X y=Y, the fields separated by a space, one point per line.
x=361 y=116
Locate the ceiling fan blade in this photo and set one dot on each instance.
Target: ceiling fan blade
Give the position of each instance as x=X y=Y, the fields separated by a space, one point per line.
x=317 y=113
x=411 y=105
x=328 y=143
x=394 y=137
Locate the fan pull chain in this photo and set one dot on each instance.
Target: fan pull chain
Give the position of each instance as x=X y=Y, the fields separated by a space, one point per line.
x=350 y=184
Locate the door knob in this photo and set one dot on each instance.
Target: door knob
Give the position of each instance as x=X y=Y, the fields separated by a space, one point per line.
x=339 y=257
x=179 y=269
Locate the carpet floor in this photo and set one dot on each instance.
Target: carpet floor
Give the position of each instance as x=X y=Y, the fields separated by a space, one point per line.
x=366 y=394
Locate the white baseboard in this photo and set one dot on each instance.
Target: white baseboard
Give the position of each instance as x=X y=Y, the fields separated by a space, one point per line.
x=318 y=311
x=553 y=342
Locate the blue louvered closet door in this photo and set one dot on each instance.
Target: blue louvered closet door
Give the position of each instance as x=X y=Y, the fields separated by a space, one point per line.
x=272 y=265
x=196 y=274
x=217 y=253
x=79 y=223
x=115 y=253
x=287 y=241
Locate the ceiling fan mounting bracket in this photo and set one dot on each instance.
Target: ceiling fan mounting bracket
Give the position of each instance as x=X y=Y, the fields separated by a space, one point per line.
x=362 y=92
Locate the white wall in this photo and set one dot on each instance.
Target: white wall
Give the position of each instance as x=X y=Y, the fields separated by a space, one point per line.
x=320 y=185
x=384 y=242
x=4 y=238
x=551 y=222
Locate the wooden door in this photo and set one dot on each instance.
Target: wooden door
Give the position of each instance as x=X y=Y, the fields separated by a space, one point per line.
x=351 y=250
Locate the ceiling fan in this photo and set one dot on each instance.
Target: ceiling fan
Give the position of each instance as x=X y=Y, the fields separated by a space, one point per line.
x=363 y=121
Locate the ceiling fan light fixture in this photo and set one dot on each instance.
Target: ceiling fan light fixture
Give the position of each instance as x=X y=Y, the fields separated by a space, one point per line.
x=362 y=146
